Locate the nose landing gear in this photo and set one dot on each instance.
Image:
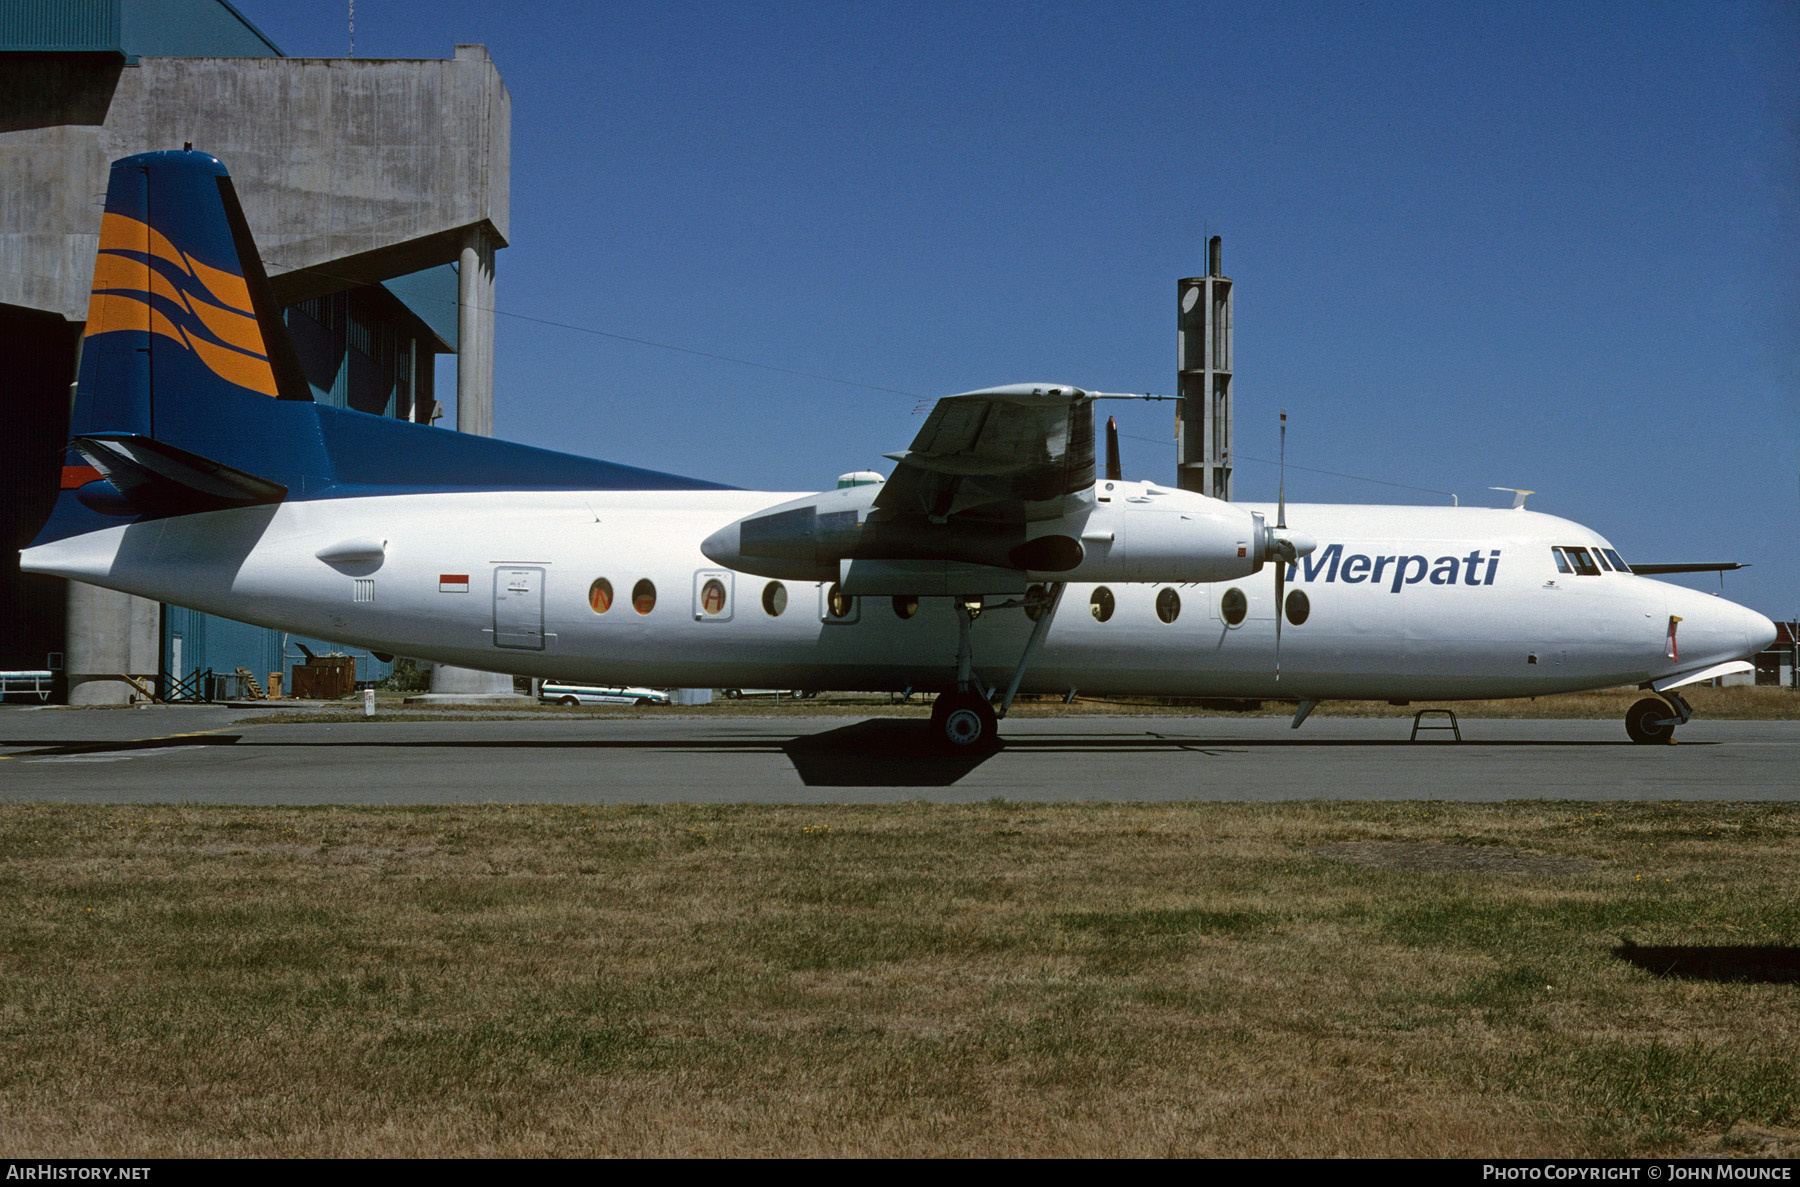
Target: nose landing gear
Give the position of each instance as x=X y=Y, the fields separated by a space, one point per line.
x=1652 y=721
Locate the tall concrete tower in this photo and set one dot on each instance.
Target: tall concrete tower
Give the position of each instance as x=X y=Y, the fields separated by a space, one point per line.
x=1203 y=380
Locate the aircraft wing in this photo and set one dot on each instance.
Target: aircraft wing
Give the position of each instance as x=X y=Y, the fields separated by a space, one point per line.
x=1004 y=455
x=1654 y=570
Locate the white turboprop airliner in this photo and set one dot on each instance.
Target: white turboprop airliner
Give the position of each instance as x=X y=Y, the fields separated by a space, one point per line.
x=992 y=561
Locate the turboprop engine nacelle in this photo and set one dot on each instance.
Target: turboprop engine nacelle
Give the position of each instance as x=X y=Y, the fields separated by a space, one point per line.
x=1128 y=531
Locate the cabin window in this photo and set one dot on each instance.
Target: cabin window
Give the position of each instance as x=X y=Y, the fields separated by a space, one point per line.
x=712 y=597
x=1618 y=562
x=774 y=599
x=1298 y=606
x=643 y=596
x=905 y=605
x=1037 y=601
x=1584 y=564
x=600 y=596
x=1562 y=562
x=1168 y=605
x=1101 y=603
x=839 y=604
x=1234 y=606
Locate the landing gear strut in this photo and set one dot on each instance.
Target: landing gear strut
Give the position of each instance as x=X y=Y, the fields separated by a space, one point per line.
x=964 y=720
x=1652 y=721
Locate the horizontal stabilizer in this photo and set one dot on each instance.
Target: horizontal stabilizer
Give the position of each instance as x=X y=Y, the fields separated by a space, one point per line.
x=156 y=478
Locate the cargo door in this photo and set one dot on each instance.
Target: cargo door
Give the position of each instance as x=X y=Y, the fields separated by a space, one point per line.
x=519 y=608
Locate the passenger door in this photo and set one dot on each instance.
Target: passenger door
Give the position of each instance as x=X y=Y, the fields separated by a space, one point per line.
x=519 y=608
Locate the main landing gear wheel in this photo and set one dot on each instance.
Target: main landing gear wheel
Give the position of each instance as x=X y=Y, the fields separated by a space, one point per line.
x=964 y=723
x=1650 y=722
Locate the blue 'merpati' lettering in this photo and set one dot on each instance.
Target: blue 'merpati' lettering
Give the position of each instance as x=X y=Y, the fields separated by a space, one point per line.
x=1400 y=571
x=1317 y=562
x=1356 y=569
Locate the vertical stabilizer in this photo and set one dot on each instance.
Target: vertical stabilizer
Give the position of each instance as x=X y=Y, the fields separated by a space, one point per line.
x=181 y=308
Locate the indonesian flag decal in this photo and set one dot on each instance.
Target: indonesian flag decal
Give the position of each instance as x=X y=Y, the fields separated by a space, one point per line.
x=453 y=583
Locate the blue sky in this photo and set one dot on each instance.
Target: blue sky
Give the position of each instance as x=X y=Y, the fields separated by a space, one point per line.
x=1550 y=246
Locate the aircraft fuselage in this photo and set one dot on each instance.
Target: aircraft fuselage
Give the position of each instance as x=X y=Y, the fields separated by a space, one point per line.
x=1403 y=602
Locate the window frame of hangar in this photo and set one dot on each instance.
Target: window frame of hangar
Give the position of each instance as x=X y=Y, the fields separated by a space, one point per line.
x=601 y=588
x=774 y=599
x=645 y=588
x=1234 y=598
x=1102 y=604
x=1168 y=604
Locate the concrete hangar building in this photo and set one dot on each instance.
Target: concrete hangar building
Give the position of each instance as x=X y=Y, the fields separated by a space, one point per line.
x=377 y=190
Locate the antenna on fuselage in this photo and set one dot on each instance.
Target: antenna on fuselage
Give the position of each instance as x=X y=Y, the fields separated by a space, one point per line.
x=1518 y=495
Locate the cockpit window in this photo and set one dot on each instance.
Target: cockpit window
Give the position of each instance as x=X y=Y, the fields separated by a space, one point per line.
x=1562 y=562
x=1584 y=564
x=1618 y=563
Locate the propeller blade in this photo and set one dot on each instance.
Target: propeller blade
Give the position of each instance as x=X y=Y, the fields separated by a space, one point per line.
x=1286 y=552
x=1280 y=610
x=1281 y=489
x=1114 y=472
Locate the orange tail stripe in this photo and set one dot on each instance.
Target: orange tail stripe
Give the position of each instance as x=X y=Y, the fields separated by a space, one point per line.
x=237 y=329
x=225 y=287
x=119 y=272
x=110 y=312
x=229 y=326
x=120 y=232
x=241 y=369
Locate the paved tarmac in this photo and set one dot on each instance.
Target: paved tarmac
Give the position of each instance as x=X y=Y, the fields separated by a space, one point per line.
x=217 y=755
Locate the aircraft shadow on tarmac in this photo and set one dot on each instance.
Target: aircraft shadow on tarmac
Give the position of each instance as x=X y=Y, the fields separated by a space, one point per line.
x=1775 y=963
x=876 y=752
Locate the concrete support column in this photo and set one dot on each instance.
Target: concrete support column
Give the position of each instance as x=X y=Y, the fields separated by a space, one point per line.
x=110 y=634
x=474 y=414
x=475 y=336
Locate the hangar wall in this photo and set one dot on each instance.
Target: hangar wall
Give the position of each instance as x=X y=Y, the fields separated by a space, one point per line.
x=364 y=181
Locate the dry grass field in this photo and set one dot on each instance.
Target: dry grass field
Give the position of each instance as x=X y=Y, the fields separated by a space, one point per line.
x=1004 y=979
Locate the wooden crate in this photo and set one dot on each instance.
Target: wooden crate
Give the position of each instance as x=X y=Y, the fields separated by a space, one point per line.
x=324 y=678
